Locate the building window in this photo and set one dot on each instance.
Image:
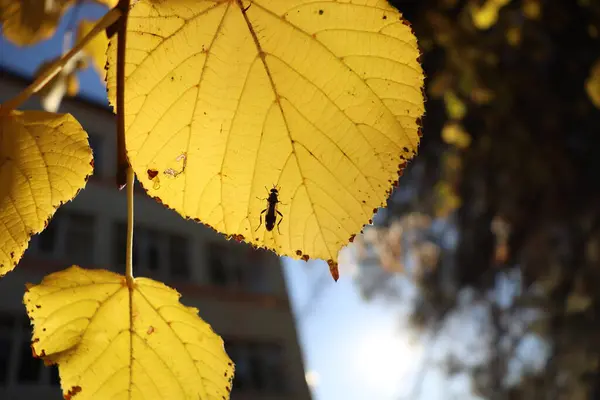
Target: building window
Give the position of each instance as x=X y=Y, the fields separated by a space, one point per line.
x=5 y=355
x=120 y=245
x=96 y=143
x=79 y=238
x=238 y=266
x=54 y=376
x=159 y=253
x=47 y=240
x=153 y=240
x=259 y=367
x=179 y=257
x=217 y=268
x=30 y=368
x=7 y=325
x=69 y=235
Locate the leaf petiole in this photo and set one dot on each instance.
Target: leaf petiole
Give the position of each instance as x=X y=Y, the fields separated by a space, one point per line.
x=129 y=251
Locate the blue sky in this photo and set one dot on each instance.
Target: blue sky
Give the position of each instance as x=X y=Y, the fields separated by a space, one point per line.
x=354 y=348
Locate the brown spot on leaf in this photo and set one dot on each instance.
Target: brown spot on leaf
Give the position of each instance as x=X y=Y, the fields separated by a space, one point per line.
x=321 y=12
x=405 y=149
x=351 y=238
x=374 y=210
x=34 y=353
x=12 y=254
x=298 y=253
x=305 y=257
x=333 y=270
x=152 y=173
x=72 y=392
x=150 y=330
x=38 y=306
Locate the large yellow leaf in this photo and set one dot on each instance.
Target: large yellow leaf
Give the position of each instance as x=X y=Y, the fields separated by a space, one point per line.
x=113 y=342
x=224 y=99
x=25 y=22
x=45 y=159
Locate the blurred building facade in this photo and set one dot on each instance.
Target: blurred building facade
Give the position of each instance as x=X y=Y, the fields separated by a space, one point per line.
x=240 y=291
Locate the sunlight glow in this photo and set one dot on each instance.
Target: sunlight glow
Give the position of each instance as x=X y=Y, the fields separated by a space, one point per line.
x=312 y=378
x=383 y=360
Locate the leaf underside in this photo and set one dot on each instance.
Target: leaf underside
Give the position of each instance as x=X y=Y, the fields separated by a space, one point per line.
x=321 y=99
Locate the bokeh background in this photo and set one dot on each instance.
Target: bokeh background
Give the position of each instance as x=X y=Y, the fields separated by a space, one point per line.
x=481 y=278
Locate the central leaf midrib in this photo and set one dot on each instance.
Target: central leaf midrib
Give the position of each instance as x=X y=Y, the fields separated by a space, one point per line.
x=261 y=55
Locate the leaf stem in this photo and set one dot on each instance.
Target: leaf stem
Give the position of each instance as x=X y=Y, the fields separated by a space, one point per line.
x=129 y=260
x=109 y=18
x=122 y=161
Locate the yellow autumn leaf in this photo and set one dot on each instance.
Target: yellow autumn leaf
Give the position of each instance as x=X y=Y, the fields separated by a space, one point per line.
x=514 y=35
x=447 y=200
x=321 y=99
x=532 y=9
x=112 y=341
x=45 y=159
x=454 y=134
x=455 y=108
x=26 y=22
x=96 y=49
x=592 y=84
x=486 y=15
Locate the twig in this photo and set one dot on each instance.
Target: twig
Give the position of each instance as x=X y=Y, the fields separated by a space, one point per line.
x=110 y=18
x=122 y=161
x=129 y=251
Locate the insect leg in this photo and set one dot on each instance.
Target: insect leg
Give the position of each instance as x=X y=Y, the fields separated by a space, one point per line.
x=260 y=219
x=280 y=219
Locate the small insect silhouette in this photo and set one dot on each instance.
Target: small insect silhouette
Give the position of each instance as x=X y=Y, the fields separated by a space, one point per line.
x=271 y=211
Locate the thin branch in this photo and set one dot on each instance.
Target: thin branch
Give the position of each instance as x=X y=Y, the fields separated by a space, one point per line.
x=122 y=161
x=129 y=260
x=110 y=18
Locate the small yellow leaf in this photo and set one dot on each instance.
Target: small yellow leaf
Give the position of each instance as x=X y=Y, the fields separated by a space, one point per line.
x=532 y=9
x=454 y=134
x=96 y=49
x=486 y=15
x=26 y=22
x=592 y=84
x=513 y=35
x=45 y=159
x=447 y=200
x=322 y=99
x=112 y=341
x=455 y=108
